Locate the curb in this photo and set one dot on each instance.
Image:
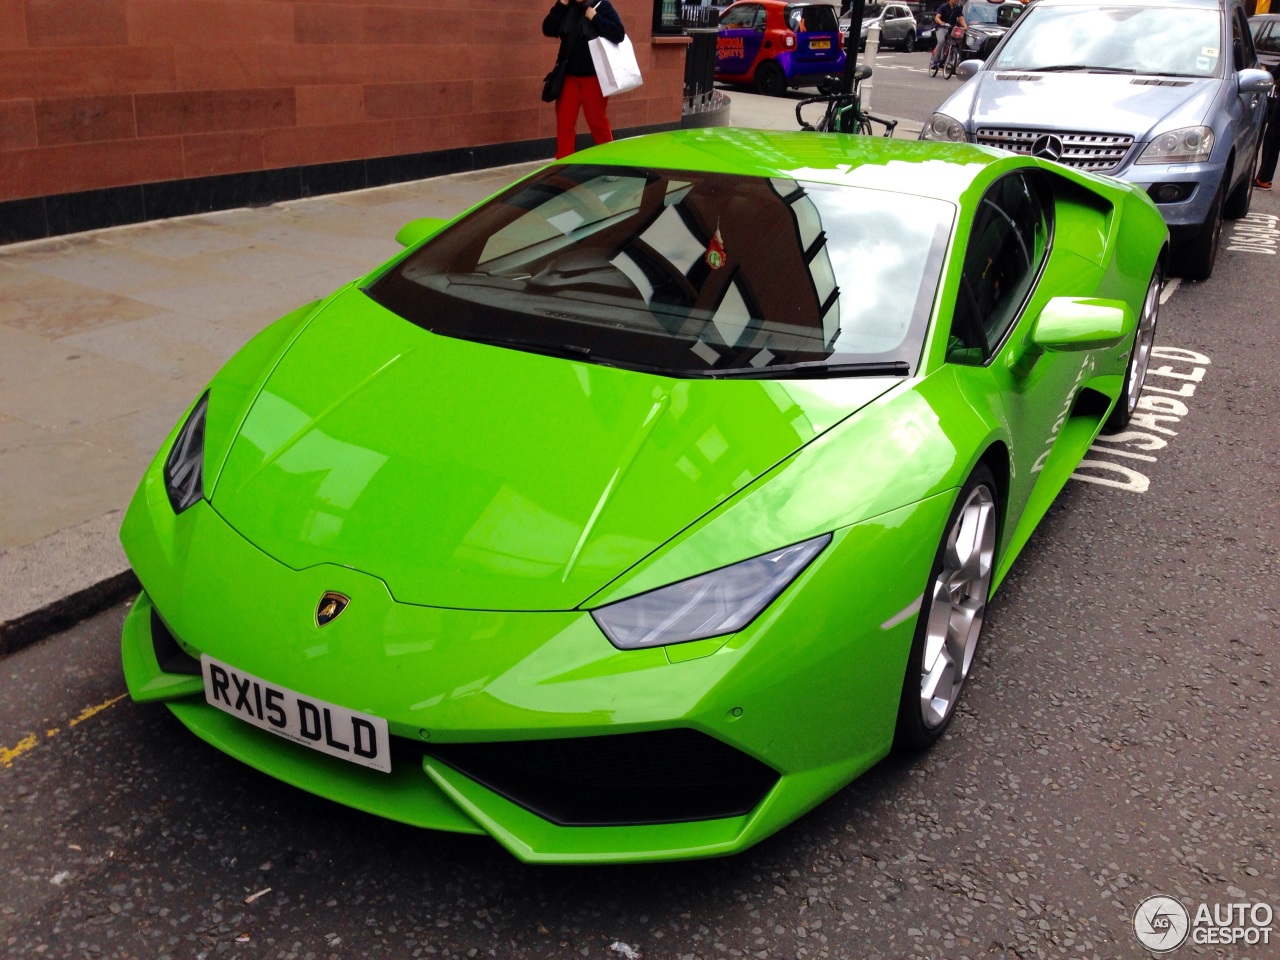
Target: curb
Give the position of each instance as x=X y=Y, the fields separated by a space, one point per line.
x=66 y=612
x=61 y=579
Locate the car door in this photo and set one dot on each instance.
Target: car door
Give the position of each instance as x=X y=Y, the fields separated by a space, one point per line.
x=1007 y=249
x=1249 y=108
x=898 y=22
x=739 y=40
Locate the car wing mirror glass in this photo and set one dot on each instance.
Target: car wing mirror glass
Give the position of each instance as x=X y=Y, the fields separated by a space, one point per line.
x=415 y=231
x=967 y=68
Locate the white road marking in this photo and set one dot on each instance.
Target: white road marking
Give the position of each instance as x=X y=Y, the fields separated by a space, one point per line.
x=1169 y=287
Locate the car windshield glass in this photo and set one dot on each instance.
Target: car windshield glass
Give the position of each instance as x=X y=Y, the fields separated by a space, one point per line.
x=818 y=18
x=686 y=274
x=1168 y=41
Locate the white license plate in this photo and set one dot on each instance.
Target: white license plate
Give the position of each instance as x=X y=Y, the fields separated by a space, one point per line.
x=339 y=732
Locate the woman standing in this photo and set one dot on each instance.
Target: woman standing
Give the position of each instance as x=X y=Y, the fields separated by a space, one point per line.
x=575 y=22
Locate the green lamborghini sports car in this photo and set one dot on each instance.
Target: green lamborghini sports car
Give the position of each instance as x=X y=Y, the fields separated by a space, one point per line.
x=637 y=510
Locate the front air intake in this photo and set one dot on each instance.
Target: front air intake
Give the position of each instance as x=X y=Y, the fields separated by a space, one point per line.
x=628 y=779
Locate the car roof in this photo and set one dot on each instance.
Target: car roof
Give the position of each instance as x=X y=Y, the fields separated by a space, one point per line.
x=920 y=167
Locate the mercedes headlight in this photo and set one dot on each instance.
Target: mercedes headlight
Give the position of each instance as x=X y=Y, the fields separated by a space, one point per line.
x=1188 y=145
x=710 y=605
x=184 y=467
x=942 y=127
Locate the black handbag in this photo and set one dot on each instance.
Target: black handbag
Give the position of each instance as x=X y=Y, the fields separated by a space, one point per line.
x=553 y=82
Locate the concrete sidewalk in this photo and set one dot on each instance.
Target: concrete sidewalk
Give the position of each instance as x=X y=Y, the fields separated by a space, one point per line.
x=105 y=337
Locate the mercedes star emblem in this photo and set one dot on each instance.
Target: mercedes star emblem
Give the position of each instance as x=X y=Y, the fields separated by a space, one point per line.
x=1047 y=147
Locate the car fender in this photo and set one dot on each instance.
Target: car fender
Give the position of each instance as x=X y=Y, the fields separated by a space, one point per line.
x=917 y=441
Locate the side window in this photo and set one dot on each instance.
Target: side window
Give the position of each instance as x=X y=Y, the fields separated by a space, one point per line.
x=758 y=21
x=1007 y=245
x=1242 y=41
x=1269 y=38
x=739 y=17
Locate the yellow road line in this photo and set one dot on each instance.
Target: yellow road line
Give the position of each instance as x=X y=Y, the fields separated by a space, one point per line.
x=88 y=712
x=29 y=742
x=10 y=754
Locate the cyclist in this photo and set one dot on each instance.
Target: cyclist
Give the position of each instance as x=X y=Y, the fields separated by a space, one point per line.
x=950 y=14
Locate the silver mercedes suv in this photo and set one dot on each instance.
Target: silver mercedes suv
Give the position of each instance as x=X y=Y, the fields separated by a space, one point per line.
x=1166 y=94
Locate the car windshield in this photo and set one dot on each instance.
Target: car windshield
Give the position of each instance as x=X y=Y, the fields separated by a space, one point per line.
x=1165 y=41
x=1002 y=14
x=685 y=274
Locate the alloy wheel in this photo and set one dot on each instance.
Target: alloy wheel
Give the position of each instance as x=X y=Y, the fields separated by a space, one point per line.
x=957 y=604
x=1143 y=341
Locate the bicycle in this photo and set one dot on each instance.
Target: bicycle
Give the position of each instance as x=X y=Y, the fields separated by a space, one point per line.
x=844 y=112
x=949 y=57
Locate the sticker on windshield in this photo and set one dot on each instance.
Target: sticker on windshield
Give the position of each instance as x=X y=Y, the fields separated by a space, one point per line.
x=715 y=251
x=1208 y=51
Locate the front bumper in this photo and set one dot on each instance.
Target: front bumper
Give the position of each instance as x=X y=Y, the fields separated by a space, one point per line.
x=1202 y=179
x=809 y=690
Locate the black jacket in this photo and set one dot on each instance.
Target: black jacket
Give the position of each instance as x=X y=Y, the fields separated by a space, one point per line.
x=568 y=20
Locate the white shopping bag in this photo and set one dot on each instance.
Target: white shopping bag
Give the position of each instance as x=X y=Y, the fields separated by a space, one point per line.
x=616 y=65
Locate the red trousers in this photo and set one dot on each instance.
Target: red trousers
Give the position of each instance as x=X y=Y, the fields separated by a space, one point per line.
x=581 y=92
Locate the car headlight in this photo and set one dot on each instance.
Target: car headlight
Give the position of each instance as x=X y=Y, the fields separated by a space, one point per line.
x=942 y=127
x=184 y=467
x=1187 y=145
x=710 y=605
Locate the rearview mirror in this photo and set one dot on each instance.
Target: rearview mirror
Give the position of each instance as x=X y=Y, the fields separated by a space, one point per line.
x=415 y=231
x=1068 y=324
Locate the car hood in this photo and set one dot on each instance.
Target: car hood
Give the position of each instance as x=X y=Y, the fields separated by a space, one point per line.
x=1093 y=102
x=476 y=477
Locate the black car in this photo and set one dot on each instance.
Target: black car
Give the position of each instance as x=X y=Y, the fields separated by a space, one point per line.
x=988 y=23
x=1265 y=28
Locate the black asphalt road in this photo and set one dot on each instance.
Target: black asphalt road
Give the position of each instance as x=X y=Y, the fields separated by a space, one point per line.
x=1118 y=740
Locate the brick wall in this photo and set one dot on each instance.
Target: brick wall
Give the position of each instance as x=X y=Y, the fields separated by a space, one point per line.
x=108 y=93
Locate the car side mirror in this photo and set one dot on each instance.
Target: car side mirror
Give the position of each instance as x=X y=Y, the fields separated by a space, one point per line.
x=1072 y=324
x=967 y=68
x=1255 y=81
x=1068 y=324
x=415 y=231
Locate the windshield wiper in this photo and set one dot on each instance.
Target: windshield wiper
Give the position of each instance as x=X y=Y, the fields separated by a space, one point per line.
x=812 y=369
x=1081 y=67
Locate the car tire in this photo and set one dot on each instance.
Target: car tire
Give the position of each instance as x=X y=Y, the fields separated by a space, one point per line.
x=959 y=583
x=1241 y=198
x=770 y=80
x=1198 y=255
x=909 y=42
x=1135 y=373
